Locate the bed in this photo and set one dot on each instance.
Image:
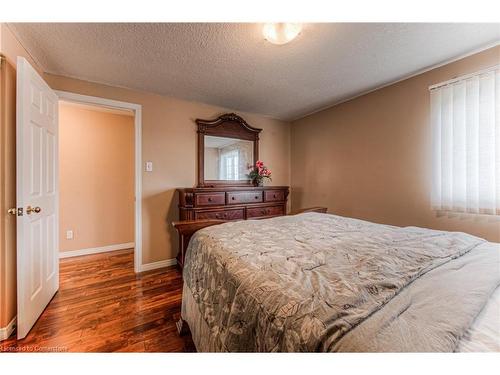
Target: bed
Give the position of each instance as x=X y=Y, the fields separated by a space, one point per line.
x=316 y=282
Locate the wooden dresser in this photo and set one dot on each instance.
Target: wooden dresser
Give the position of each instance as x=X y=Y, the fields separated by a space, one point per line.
x=230 y=203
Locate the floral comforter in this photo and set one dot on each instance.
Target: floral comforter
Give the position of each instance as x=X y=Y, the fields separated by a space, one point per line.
x=319 y=282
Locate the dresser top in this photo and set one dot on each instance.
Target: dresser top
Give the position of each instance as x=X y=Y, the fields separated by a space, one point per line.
x=231 y=188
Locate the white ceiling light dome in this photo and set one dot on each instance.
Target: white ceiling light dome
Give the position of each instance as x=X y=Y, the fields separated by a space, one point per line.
x=281 y=33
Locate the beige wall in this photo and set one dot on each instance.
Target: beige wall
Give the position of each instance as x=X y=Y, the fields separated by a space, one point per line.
x=8 y=193
x=370 y=157
x=96 y=177
x=169 y=141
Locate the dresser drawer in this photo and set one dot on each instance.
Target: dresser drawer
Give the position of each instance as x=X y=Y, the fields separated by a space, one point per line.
x=235 y=214
x=274 y=196
x=255 y=212
x=210 y=199
x=239 y=197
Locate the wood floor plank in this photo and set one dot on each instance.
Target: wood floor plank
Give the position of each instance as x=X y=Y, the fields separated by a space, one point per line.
x=104 y=306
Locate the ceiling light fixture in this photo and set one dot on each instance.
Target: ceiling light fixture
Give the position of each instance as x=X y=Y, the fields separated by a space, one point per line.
x=281 y=33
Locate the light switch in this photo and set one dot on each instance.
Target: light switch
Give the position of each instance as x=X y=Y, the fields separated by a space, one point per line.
x=149 y=166
x=69 y=234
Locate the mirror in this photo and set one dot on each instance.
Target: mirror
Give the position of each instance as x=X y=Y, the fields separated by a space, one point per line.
x=227 y=159
x=227 y=146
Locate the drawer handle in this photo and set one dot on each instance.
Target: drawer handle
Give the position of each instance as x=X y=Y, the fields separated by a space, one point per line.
x=256 y=197
x=232 y=198
x=209 y=199
x=274 y=195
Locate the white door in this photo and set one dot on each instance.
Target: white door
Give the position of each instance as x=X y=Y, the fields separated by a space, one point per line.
x=37 y=196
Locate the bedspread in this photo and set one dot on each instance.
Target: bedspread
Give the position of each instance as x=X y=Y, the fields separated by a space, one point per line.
x=318 y=282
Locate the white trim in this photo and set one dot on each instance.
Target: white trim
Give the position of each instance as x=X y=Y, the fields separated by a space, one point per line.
x=159 y=264
x=137 y=108
x=464 y=77
x=6 y=331
x=138 y=190
x=86 y=99
x=422 y=71
x=96 y=250
x=100 y=108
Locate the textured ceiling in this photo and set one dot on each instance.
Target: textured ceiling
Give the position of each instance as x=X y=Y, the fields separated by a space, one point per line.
x=231 y=65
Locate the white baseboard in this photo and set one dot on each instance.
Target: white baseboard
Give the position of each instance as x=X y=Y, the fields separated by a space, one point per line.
x=105 y=249
x=159 y=264
x=96 y=250
x=5 y=332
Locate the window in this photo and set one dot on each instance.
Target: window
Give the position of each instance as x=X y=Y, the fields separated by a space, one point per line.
x=465 y=120
x=230 y=165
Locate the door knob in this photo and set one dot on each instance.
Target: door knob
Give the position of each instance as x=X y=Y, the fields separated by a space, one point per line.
x=30 y=210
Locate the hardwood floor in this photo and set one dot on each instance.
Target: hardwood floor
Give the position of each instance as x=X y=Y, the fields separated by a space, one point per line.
x=103 y=306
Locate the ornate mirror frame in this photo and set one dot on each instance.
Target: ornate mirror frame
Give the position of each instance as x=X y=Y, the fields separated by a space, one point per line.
x=228 y=125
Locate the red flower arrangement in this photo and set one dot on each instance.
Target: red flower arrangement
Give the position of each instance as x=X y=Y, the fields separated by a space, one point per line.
x=258 y=173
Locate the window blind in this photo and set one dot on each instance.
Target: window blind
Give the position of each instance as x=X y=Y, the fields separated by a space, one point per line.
x=465 y=120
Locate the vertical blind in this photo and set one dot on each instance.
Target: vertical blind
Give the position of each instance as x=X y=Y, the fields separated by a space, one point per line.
x=465 y=120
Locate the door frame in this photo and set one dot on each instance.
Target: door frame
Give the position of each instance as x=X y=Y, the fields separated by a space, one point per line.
x=137 y=108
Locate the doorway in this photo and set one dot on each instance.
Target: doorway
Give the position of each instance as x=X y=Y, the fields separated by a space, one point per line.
x=120 y=108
